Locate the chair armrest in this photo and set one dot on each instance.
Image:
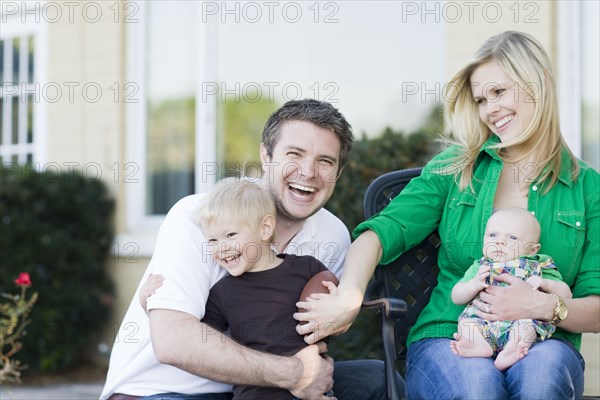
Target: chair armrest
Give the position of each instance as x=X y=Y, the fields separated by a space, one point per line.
x=390 y=307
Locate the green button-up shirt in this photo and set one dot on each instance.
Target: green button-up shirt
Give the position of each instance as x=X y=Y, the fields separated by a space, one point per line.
x=569 y=215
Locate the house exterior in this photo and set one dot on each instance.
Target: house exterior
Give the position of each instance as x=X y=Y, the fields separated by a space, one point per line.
x=159 y=99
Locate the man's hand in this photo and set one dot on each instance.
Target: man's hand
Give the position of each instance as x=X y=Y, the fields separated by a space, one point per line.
x=317 y=373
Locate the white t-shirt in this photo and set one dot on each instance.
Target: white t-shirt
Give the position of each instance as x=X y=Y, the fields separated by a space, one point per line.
x=189 y=274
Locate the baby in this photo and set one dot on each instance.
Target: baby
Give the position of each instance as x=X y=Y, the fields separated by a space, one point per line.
x=510 y=245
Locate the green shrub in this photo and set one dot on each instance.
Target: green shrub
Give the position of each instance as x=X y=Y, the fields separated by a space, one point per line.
x=58 y=228
x=371 y=158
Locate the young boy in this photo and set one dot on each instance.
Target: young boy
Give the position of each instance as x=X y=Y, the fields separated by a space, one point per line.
x=510 y=245
x=257 y=300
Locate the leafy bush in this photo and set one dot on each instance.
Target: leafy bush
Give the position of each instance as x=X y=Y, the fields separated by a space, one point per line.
x=370 y=158
x=58 y=228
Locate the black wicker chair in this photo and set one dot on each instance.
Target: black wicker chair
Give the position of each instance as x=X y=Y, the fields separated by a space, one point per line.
x=402 y=288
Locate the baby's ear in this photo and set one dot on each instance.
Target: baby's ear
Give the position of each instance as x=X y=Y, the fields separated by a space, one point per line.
x=535 y=248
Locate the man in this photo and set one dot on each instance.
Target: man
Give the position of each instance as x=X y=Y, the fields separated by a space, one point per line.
x=305 y=145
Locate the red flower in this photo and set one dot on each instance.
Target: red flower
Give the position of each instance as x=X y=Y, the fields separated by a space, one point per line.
x=23 y=279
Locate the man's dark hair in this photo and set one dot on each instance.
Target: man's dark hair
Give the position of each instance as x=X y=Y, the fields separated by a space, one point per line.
x=319 y=113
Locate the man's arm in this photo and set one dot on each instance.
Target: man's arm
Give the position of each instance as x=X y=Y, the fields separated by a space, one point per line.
x=180 y=340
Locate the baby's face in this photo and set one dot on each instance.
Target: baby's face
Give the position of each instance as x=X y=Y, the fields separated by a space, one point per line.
x=507 y=238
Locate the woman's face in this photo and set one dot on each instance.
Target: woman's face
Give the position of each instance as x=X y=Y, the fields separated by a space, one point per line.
x=504 y=106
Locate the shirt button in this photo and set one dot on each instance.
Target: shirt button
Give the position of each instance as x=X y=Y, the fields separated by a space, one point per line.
x=534 y=188
x=533 y=213
x=577 y=223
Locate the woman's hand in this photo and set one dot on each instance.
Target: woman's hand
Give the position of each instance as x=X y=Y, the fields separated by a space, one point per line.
x=513 y=302
x=327 y=314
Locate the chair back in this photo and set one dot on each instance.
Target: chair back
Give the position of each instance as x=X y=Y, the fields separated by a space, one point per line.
x=413 y=275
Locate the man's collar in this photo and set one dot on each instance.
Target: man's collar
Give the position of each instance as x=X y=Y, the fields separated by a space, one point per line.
x=307 y=232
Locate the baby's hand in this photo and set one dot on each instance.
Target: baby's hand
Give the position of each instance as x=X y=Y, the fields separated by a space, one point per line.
x=479 y=279
x=149 y=288
x=535 y=282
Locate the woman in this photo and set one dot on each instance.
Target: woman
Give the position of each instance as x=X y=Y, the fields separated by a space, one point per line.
x=506 y=151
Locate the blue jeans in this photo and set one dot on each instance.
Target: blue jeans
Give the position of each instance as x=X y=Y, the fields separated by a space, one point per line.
x=361 y=380
x=352 y=380
x=553 y=369
x=179 y=396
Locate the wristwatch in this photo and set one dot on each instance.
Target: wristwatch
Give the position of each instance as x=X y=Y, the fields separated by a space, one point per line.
x=560 y=310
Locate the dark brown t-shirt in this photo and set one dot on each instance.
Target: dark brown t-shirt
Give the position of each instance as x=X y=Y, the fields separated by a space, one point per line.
x=257 y=308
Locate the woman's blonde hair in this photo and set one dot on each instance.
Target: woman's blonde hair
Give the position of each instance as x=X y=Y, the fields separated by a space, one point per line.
x=236 y=197
x=525 y=61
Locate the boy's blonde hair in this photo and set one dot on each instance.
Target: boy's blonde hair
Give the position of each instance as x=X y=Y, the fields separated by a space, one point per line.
x=238 y=198
x=525 y=61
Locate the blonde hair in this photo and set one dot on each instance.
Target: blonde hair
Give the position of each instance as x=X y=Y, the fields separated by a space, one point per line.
x=525 y=61
x=238 y=198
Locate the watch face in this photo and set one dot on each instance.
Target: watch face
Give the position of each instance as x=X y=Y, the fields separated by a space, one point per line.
x=562 y=313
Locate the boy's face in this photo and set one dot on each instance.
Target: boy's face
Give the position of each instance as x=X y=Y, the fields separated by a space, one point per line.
x=235 y=245
x=507 y=237
x=303 y=169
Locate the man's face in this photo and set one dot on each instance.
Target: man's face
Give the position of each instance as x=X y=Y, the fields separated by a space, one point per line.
x=303 y=169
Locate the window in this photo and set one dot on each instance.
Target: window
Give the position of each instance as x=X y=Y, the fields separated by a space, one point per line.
x=211 y=73
x=21 y=109
x=170 y=86
x=579 y=79
x=590 y=94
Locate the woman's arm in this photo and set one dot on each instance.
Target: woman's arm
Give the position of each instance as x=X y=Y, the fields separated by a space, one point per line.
x=335 y=313
x=583 y=315
x=558 y=288
x=409 y=218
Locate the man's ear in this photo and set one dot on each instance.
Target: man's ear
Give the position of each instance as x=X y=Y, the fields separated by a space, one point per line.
x=267 y=228
x=264 y=156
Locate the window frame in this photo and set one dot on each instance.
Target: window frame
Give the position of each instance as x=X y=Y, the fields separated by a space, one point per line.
x=138 y=223
x=21 y=26
x=570 y=97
